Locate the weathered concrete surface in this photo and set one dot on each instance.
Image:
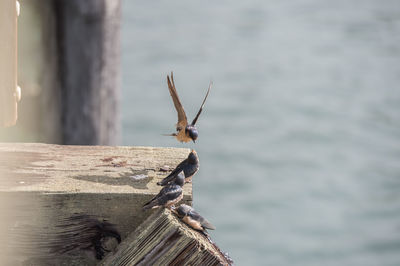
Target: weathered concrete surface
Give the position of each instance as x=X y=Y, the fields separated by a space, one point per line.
x=42 y=185
x=164 y=240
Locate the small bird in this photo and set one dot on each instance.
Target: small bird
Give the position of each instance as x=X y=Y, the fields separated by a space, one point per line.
x=168 y=195
x=189 y=166
x=188 y=215
x=185 y=132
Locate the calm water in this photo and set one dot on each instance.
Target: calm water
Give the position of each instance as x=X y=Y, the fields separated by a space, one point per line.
x=300 y=138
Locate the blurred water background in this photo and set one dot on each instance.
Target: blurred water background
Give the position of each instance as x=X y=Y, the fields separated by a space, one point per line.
x=299 y=140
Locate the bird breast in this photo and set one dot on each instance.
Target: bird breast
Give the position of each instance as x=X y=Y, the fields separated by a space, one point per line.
x=193 y=223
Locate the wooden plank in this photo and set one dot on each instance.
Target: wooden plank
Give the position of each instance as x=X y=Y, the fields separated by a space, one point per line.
x=42 y=186
x=8 y=63
x=164 y=240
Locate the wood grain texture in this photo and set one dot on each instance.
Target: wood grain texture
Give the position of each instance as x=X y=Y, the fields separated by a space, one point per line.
x=42 y=186
x=164 y=240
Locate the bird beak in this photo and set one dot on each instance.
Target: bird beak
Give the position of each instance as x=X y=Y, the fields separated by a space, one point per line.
x=194 y=141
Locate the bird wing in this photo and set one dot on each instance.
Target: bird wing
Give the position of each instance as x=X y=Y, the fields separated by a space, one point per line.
x=168 y=193
x=154 y=200
x=165 y=194
x=151 y=203
x=201 y=107
x=182 y=120
x=203 y=221
x=173 y=174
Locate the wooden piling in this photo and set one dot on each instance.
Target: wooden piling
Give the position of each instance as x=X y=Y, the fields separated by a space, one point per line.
x=69 y=71
x=164 y=240
x=88 y=37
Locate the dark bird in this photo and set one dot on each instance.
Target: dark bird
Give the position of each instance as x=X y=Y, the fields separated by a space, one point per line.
x=185 y=131
x=168 y=195
x=189 y=166
x=188 y=215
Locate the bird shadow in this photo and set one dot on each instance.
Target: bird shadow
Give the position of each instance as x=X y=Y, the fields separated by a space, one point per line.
x=138 y=179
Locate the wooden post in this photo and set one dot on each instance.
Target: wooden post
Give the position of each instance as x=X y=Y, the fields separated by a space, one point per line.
x=45 y=187
x=8 y=63
x=164 y=240
x=69 y=69
x=88 y=35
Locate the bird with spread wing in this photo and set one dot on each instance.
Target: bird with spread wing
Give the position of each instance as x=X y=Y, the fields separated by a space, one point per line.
x=185 y=132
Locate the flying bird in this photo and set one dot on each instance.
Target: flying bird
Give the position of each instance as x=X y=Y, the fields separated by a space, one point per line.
x=188 y=215
x=185 y=132
x=168 y=195
x=189 y=166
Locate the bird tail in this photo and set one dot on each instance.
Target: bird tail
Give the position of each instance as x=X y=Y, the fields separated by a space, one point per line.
x=207 y=224
x=170 y=135
x=161 y=183
x=166 y=180
x=150 y=204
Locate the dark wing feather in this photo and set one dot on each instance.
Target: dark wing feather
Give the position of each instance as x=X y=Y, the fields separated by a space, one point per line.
x=169 y=193
x=182 y=120
x=154 y=201
x=151 y=203
x=203 y=221
x=201 y=107
x=173 y=174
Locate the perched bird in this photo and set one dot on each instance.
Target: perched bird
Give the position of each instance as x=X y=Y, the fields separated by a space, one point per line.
x=188 y=215
x=185 y=132
x=168 y=195
x=189 y=166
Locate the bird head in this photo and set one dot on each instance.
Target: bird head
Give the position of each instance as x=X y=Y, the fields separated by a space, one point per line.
x=192 y=132
x=183 y=210
x=193 y=157
x=180 y=179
